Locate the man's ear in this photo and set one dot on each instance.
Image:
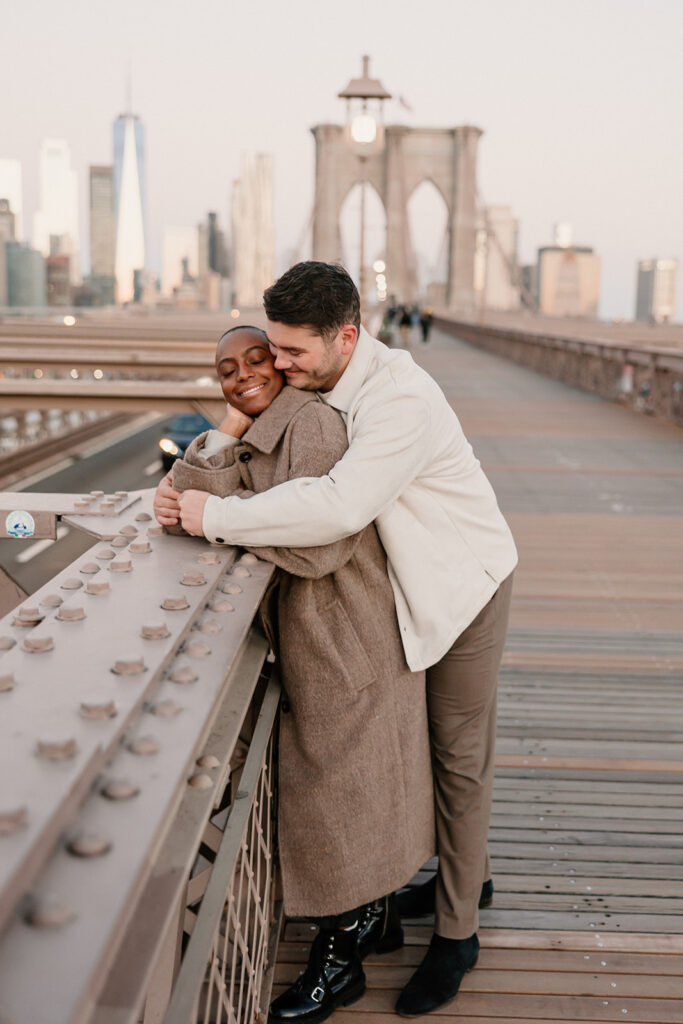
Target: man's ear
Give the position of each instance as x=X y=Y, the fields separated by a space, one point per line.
x=349 y=337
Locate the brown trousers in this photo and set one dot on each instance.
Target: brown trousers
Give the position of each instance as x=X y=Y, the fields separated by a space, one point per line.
x=461 y=695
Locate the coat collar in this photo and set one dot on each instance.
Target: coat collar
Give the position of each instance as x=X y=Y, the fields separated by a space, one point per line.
x=271 y=424
x=349 y=384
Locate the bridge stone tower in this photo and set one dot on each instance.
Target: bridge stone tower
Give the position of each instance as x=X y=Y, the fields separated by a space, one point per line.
x=445 y=156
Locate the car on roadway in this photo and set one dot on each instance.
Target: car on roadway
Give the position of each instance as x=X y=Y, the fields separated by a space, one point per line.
x=182 y=429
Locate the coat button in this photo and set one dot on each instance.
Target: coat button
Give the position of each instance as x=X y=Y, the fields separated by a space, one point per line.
x=219 y=540
x=244 y=456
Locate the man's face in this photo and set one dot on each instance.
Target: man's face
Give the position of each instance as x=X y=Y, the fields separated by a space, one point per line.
x=307 y=360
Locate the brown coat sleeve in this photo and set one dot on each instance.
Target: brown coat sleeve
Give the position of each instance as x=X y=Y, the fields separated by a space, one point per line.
x=219 y=474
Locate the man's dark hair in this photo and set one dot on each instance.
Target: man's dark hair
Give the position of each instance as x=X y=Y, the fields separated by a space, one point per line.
x=314 y=294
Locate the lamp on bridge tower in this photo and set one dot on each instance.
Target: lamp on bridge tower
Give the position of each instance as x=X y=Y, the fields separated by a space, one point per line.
x=364 y=134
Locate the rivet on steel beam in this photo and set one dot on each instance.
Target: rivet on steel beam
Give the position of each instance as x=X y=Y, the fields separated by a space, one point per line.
x=197 y=649
x=7 y=682
x=193 y=579
x=165 y=708
x=38 y=644
x=7 y=643
x=155 y=531
x=129 y=667
x=221 y=605
x=120 y=542
x=13 y=821
x=80 y=505
x=97 y=588
x=87 y=498
x=107 y=506
x=209 y=626
x=231 y=588
x=71 y=584
x=145 y=746
x=175 y=604
x=52 y=601
x=207 y=761
x=96 y=708
x=70 y=614
x=88 y=844
x=248 y=559
x=183 y=674
x=200 y=780
x=121 y=494
x=89 y=568
x=27 y=617
x=97 y=494
x=142 y=517
x=119 y=789
x=241 y=571
x=48 y=912
x=56 y=749
x=154 y=631
x=208 y=558
x=129 y=530
x=105 y=555
x=140 y=547
x=121 y=565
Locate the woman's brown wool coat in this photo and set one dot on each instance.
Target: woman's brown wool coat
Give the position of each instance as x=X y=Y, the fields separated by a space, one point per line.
x=356 y=813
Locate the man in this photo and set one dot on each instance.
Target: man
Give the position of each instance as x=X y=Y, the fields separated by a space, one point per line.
x=450 y=558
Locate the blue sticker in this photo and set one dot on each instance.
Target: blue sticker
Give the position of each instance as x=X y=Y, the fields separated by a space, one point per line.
x=20 y=524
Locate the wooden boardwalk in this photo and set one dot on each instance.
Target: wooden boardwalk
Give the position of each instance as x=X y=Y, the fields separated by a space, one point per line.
x=587 y=829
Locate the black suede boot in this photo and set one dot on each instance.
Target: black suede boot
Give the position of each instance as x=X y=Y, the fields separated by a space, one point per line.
x=438 y=978
x=379 y=927
x=418 y=900
x=334 y=977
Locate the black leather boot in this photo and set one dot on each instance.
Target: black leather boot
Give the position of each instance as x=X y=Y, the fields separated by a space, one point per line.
x=419 y=900
x=379 y=927
x=438 y=978
x=334 y=977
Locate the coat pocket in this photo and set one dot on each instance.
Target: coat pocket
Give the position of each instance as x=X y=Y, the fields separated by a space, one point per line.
x=345 y=647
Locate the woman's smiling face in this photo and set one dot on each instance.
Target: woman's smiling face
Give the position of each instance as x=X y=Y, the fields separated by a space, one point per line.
x=246 y=371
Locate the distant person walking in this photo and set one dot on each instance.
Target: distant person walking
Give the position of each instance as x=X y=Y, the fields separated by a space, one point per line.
x=405 y=323
x=426 y=323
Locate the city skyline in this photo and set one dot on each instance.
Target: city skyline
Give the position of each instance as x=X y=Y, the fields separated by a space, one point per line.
x=579 y=112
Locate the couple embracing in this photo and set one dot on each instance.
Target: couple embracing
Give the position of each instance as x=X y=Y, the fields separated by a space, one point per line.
x=340 y=461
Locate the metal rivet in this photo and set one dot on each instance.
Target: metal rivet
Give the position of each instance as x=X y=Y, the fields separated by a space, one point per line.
x=145 y=746
x=120 y=542
x=121 y=494
x=97 y=494
x=193 y=579
x=52 y=601
x=107 y=506
x=7 y=643
x=87 y=498
x=97 y=588
x=155 y=531
x=97 y=708
x=119 y=789
x=165 y=708
x=56 y=750
x=183 y=675
x=231 y=588
x=27 y=617
x=48 y=912
x=89 y=568
x=88 y=844
x=174 y=604
x=81 y=504
x=140 y=547
x=142 y=517
x=121 y=565
x=13 y=821
x=201 y=781
x=129 y=667
x=209 y=626
x=241 y=571
x=208 y=558
x=221 y=605
x=7 y=682
x=248 y=559
x=72 y=584
x=197 y=649
x=208 y=761
x=155 y=631
x=70 y=614
x=38 y=645
x=105 y=555
x=129 y=530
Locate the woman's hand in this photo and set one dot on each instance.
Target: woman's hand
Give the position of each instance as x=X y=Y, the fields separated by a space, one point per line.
x=234 y=422
x=166 y=507
x=192 y=511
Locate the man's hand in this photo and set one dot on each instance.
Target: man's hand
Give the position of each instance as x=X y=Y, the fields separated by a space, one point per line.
x=166 y=507
x=192 y=511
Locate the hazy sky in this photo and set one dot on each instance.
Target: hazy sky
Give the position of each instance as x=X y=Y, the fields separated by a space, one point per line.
x=580 y=102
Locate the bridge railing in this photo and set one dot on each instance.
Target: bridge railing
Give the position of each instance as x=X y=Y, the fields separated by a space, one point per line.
x=136 y=782
x=646 y=377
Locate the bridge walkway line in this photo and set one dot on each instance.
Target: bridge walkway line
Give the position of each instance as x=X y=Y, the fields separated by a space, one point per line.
x=586 y=834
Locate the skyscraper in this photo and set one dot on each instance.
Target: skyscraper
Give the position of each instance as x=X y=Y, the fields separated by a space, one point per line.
x=55 y=224
x=568 y=277
x=656 y=292
x=102 y=232
x=179 y=244
x=7 y=222
x=10 y=189
x=130 y=203
x=252 y=228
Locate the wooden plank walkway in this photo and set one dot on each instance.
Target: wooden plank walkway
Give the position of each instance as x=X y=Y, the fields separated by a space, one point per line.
x=586 y=835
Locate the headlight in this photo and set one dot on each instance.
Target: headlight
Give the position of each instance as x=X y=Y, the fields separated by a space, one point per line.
x=168 y=446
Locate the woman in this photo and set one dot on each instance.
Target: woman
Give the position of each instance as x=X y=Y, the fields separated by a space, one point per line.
x=355 y=785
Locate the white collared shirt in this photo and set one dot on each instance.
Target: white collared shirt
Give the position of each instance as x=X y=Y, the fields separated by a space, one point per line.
x=410 y=468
